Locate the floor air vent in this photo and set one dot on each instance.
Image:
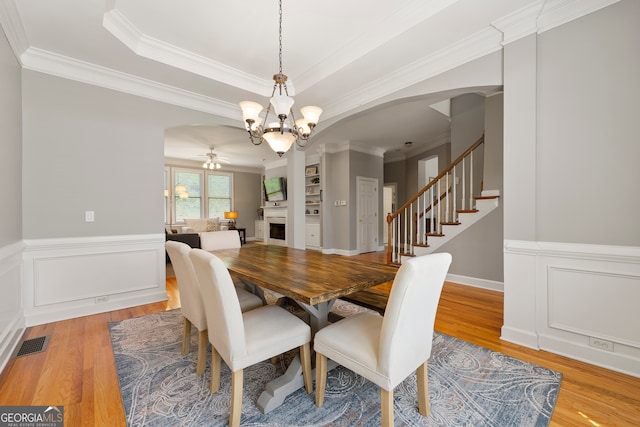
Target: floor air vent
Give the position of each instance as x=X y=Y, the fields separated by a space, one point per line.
x=32 y=346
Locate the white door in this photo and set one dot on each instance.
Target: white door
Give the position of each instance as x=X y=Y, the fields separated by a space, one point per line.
x=367 y=213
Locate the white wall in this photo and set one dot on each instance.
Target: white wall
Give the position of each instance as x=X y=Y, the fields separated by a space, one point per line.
x=11 y=316
x=572 y=238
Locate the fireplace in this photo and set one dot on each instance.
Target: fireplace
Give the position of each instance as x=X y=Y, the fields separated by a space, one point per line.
x=276 y=227
x=277 y=231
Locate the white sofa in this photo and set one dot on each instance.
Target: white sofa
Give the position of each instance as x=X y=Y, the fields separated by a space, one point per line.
x=201 y=225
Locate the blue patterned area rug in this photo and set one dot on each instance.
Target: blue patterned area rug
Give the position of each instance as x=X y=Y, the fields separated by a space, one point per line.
x=468 y=386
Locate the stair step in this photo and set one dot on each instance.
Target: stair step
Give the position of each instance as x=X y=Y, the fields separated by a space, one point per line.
x=435 y=235
x=420 y=245
x=450 y=223
x=467 y=210
x=486 y=197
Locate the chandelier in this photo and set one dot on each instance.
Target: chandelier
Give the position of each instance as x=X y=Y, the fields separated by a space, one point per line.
x=211 y=162
x=280 y=134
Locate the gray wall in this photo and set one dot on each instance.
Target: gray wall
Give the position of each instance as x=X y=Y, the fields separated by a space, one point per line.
x=11 y=148
x=246 y=196
x=411 y=168
x=336 y=230
x=588 y=129
x=478 y=252
x=89 y=148
x=368 y=166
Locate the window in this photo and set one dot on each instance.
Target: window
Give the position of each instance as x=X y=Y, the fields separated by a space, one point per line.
x=208 y=195
x=188 y=205
x=218 y=194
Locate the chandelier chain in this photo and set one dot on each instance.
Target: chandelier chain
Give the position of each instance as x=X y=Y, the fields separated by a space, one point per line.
x=280 y=35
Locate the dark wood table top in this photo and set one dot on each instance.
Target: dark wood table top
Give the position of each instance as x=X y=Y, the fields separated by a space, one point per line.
x=310 y=277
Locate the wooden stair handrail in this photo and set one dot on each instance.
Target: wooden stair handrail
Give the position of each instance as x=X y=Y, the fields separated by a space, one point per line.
x=448 y=169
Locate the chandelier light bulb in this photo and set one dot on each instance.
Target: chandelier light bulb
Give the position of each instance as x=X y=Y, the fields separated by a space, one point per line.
x=250 y=110
x=311 y=114
x=282 y=104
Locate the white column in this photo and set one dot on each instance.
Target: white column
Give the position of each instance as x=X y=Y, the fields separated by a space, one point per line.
x=520 y=93
x=295 y=198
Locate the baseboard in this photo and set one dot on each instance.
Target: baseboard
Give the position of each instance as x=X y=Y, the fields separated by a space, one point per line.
x=10 y=341
x=57 y=313
x=520 y=337
x=618 y=361
x=491 y=285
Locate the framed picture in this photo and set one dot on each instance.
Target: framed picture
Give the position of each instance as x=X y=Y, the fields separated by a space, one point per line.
x=311 y=170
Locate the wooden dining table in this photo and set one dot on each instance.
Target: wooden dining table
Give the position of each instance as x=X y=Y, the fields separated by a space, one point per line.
x=310 y=278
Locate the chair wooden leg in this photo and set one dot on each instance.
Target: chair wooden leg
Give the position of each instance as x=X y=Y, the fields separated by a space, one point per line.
x=424 y=406
x=214 y=386
x=186 y=336
x=203 y=343
x=236 y=398
x=305 y=360
x=386 y=406
x=321 y=378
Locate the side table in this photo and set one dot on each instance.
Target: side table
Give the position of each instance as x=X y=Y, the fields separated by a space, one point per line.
x=243 y=234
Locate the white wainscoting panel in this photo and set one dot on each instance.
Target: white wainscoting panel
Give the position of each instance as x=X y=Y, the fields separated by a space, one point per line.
x=585 y=299
x=12 y=322
x=71 y=277
x=582 y=301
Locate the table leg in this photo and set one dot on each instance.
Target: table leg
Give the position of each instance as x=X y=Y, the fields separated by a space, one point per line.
x=278 y=389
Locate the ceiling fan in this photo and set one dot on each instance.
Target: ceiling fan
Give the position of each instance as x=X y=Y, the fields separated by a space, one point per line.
x=213 y=161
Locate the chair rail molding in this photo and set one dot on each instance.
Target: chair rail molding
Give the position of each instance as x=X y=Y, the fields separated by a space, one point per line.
x=577 y=300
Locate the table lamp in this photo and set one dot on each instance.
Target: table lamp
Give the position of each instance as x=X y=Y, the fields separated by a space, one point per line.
x=231 y=216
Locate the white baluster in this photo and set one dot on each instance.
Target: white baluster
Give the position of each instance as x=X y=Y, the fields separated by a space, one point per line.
x=455 y=200
x=471 y=181
x=464 y=184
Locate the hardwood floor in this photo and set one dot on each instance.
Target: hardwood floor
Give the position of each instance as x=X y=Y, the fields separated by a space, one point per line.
x=78 y=371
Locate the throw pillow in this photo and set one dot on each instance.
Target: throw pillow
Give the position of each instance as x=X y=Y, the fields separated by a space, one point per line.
x=213 y=224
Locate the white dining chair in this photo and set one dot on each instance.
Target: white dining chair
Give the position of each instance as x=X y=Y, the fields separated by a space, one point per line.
x=191 y=304
x=223 y=239
x=244 y=339
x=386 y=350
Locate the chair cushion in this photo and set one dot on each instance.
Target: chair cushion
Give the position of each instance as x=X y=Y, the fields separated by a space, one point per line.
x=270 y=330
x=354 y=342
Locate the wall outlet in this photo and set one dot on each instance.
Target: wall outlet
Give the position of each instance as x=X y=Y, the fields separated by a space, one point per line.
x=89 y=216
x=601 y=344
x=102 y=299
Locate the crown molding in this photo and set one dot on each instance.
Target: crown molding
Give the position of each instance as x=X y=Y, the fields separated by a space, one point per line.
x=537 y=17
x=545 y=15
x=69 y=68
x=558 y=12
x=519 y=24
x=12 y=26
x=353 y=146
x=148 y=47
x=478 y=45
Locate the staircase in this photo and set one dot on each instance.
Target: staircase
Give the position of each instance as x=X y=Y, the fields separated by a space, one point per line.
x=441 y=210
